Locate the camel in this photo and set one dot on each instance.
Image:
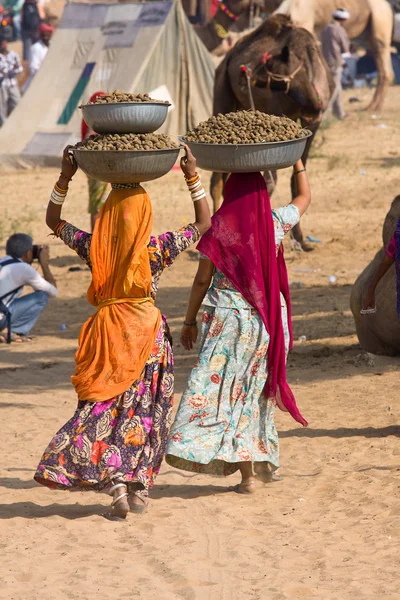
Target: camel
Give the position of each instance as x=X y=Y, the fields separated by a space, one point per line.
x=232 y=15
x=277 y=47
x=379 y=333
x=370 y=19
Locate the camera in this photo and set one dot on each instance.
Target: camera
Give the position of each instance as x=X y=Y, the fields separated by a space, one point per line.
x=36 y=250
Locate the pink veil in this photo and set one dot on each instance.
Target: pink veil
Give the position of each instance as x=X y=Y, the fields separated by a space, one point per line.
x=241 y=244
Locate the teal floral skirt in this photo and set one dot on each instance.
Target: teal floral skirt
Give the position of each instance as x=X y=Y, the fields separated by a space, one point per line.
x=223 y=417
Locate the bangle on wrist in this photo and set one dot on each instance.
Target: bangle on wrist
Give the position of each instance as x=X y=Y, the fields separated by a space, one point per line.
x=190 y=324
x=58 y=195
x=191 y=179
x=60 y=190
x=300 y=171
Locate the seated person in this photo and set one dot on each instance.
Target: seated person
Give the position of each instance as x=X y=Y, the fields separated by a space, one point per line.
x=366 y=68
x=15 y=273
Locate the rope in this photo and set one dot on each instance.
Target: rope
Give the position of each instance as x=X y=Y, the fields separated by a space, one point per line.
x=247 y=71
x=251 y=19
x=283 y=78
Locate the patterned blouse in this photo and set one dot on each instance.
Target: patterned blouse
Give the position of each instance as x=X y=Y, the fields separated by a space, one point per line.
x=163 y=249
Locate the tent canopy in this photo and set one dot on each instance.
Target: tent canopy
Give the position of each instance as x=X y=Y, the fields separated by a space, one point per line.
x=133 y=47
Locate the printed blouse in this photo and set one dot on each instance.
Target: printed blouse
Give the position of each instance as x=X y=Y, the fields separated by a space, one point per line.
x=163 y=249
x=222 y=292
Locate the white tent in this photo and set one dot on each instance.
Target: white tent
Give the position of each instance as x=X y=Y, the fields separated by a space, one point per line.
x=148 y=47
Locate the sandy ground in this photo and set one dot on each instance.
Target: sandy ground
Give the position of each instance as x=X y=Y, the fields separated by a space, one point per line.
x=331 y=528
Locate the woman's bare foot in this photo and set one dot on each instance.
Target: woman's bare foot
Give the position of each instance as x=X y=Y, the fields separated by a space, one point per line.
x=266 y=473
x=248 y=484
x=269 y=477
x=137 y=504
x=246 y=487
x=119 y=505
x=14 y=337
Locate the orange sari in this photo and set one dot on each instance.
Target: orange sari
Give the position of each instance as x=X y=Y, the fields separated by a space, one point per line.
x=115 y=343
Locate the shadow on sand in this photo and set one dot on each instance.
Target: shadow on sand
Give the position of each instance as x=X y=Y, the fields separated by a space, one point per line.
x=343 y=432
x=31 y=510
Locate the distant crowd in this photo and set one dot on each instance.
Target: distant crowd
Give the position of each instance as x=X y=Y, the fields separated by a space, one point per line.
x=24 y=20
x=360 y=71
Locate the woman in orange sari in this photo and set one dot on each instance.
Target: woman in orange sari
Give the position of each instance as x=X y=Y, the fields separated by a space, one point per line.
x=116 y=439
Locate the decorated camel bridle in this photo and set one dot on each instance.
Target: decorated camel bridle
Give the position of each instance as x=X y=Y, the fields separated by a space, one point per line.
x=275 y=77
x=282 y=78
x=219 y=29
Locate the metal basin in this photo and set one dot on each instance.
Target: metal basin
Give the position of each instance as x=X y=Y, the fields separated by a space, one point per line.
x=125 y=117
x=126 y=166
x=247 y=158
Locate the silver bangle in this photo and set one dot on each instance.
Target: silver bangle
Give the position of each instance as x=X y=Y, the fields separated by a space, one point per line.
x=56 y=198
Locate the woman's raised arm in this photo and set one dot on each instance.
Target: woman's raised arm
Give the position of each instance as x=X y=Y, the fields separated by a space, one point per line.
x=303 y=198
x=201 y=208
x=58 y=195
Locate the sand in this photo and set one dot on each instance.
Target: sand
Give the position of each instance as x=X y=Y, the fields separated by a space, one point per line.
x=331 y=528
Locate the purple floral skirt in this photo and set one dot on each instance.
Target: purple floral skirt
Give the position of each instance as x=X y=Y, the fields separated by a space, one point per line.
x=121 y=440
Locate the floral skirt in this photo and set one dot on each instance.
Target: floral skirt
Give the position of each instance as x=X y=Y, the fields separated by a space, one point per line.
x=224 y=417
x=121 y=440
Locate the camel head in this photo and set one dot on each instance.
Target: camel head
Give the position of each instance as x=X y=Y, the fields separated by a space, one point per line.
x=290 y=62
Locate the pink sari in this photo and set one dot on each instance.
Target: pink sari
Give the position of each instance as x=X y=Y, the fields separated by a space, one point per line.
x=241 y=244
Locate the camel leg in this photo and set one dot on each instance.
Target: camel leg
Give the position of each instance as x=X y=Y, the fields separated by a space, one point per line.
x=385 y=75
x=217 y=189
x=271 y=179
x=380 y=42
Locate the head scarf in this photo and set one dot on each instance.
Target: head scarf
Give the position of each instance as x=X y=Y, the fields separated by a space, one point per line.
x=241 y=244
x=85 y=126
x=397 y=264
x=117 y=340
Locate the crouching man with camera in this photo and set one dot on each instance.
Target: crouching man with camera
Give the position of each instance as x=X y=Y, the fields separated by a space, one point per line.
x=17 y=314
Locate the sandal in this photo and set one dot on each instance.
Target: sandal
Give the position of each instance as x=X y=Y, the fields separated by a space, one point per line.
x=119 y=505
x=245 y=488
x=22 y=338
x=137 y=504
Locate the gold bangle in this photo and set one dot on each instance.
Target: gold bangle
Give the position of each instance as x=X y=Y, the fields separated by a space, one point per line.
x=191 y=179
x=60 y=190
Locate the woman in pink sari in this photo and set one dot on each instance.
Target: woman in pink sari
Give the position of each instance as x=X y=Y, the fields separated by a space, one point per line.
x=225 y=420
